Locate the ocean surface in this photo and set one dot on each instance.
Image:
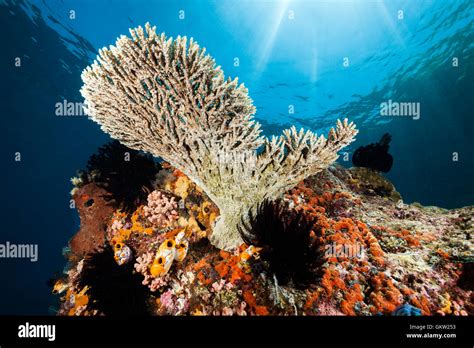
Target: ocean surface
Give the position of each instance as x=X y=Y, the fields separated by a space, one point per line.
x=305 y=63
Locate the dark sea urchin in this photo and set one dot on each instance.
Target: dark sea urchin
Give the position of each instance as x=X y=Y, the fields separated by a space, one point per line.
x=285 y=239
x=114 y=290
x=125 y=173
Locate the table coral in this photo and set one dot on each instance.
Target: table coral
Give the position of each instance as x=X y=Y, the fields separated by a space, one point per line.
x=168 y=98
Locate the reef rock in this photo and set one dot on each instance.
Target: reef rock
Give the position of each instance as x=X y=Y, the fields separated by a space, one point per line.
x=94 y=212
x=373 y=254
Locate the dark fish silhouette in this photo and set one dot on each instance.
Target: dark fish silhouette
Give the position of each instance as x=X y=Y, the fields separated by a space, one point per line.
x=374 y=156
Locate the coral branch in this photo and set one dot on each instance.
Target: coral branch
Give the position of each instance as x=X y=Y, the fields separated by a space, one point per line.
x=161 y=210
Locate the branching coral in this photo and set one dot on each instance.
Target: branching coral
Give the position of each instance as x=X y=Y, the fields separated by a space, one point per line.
x=161 y=210
x=168 y=98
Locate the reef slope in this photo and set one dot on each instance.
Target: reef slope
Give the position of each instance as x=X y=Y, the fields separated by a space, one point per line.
x=376 y=255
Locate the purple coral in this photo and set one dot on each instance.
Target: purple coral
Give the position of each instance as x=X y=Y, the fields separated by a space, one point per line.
x=161 y=210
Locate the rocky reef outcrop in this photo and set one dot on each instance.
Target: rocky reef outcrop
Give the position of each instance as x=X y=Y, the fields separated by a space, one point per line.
x=371 y=254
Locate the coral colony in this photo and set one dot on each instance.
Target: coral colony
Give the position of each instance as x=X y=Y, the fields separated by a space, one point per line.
x=233 y=223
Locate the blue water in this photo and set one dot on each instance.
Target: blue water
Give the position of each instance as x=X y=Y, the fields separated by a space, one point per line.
x=290 y=56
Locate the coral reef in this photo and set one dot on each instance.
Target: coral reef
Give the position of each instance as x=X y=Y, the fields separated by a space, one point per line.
x=93 y=210
x=234 y=223
x=369 y=182
x=161 y=210
x=167 y=97
x=368 y=254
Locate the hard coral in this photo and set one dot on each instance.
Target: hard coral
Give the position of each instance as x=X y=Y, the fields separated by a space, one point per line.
x=161 y=210
x=371 y=182
x=168 y=98
x=142 y=266
x=373 y=256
